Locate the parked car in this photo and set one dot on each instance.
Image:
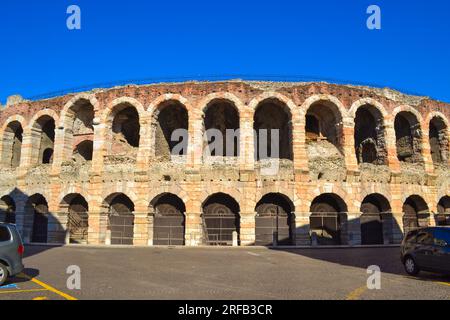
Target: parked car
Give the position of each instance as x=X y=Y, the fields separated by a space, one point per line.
x=426 y=249
x=11 y=252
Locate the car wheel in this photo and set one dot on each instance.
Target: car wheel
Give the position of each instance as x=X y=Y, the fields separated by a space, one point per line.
x=3 y=274
x=411 y=266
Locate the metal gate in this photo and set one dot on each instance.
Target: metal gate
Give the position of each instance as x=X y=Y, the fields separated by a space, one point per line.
x=168 y=229
x=443 y=219
x=77 y=225
x=371 y=228
x=273 y=227
x=219 y=228
x=122 y=228
x=326 y=228
x=40 y=226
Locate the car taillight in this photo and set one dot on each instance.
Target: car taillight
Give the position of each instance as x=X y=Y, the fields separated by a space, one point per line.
x=21 y=249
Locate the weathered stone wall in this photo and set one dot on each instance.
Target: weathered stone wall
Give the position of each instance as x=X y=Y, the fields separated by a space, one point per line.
x=141 y=170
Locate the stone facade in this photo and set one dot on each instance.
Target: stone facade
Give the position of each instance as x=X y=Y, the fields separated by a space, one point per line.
x=129 y=157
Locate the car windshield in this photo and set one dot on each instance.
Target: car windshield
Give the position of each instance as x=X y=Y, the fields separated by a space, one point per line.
x=441 y=235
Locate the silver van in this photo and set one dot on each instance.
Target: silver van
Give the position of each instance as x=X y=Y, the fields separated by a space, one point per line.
x=11 y=252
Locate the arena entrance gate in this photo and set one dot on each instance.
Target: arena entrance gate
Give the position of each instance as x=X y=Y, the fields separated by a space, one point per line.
x=220 y=219
x=169 y=221
x=39 y=210
x=121 y=220
x=274 y=220
x=415 y=214
x=78 y=220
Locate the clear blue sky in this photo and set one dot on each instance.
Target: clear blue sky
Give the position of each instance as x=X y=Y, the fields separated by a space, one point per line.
x=136 y=39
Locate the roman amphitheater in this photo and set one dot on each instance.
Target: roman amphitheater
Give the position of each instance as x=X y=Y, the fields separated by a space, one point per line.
x=357 y=165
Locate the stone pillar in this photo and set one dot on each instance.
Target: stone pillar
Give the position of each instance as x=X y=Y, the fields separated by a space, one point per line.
x=98 y=222
x=299 y=144
x=391 y=146
x=247 y=148
x=426 y=149
x=397 y=234
x=302 y=229
x=145 y=145
x=348 y=131
x=247 y=228
x=27 y=147
x=140 y=236
x=99 y=147
x=194 y=231
x=59 y=146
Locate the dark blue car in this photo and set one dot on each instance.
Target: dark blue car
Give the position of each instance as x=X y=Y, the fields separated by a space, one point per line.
x=427 y=249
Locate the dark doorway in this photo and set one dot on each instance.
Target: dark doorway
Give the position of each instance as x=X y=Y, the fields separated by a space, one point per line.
x=220 y=219
x=169 y=220
x=274 y=221
x=121 y=220
x=7 y=210
x=39 y=210
x=373 y=209
x=78 y=220
x=415 y=214
x=443 y=216
x=328 y=213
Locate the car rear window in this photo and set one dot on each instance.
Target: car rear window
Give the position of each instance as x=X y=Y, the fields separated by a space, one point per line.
x=442 y=235
x=5 y=235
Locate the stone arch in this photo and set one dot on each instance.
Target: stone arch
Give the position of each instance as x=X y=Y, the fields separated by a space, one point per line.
x=124 y=122
x=275 y=220
x=408 y=134
x=376 y=220
x=43 y=132
x=221 y=218
x=221 y=115
x=370 y=133
x=438 y=135
x=7 y=209
x=443 y=214
x=12 y=142
x=76 y=207
x=367 y=101
x=328 y=219
x=416 y=213
x=120 y=218
x=169 y=221
x=273 y=114
x=77 y=120
x=168 y=114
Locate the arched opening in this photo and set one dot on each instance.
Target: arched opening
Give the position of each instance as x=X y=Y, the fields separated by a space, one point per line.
x=408 y=138
x=375 y=218
x=121 y=219
x=443 y=216
x=370 y=144
x=273 y=130
x=77 y=219
x=7 y=210
x=170 y=116
x=83 y=151
x=415 y=213
x=275 y=222
x=222 y=116
x=37 y=209
x=328 y=216
x=12 y=144
x=125 y=131
x=438 y=135
x=324 y=138
x=220 y=219
x=43 y=137
x=169 y=220
x=80 y=129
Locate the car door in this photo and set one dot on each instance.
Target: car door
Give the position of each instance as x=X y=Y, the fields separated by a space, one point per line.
x=424 y=249
x=441 y=252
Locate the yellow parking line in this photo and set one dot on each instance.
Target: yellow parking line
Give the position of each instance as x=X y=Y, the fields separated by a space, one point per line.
x=49 y=288
x=355 y=294
x=445 y=283
x=21 y=291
